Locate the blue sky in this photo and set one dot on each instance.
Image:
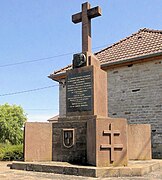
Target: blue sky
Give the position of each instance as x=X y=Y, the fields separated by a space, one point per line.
x=32 y=30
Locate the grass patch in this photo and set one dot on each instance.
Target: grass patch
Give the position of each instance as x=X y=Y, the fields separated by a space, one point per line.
x=10 y=152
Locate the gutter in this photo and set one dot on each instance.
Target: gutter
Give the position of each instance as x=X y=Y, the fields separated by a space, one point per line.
x=57 y=77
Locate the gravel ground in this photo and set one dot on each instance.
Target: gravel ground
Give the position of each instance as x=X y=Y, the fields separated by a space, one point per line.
x=9 y=174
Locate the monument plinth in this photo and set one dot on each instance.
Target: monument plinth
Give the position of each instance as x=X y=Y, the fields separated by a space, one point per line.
x=86 y=100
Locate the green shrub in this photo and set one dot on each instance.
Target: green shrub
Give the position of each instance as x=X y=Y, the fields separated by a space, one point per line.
x=2 y=147
x=12 y=119
x=10 y=152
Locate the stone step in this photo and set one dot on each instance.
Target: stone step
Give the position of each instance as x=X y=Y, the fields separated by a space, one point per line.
x=134 y=168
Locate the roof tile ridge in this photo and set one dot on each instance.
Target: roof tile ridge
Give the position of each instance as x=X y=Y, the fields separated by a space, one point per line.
x=150 y=30
x=122 y=40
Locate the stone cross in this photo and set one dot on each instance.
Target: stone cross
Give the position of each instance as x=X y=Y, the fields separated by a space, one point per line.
x=85 y=17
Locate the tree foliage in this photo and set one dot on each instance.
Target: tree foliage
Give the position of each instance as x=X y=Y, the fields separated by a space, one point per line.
x=12 y=119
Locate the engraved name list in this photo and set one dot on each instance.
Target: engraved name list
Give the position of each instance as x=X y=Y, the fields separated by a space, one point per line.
x=79 y=91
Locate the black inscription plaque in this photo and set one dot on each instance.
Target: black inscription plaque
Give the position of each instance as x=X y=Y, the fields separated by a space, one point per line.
x=79 y=91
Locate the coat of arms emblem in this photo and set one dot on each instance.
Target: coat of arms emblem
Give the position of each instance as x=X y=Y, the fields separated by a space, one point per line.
x=68 y=137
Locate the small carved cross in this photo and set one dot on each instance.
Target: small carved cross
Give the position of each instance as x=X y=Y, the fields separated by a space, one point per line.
x=85 y=17
x=111 y=132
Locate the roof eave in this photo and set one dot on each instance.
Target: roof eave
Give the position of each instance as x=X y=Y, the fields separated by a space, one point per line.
x=57 y=77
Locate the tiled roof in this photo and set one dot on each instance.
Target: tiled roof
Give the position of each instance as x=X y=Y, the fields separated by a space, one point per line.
x=144 y=42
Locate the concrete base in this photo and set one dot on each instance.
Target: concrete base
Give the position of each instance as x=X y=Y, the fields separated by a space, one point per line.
x=134 y=168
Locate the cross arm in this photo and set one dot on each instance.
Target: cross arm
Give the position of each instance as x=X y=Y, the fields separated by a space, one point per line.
x=76 y=18
x=107 y=132
x=91 y=13
x=94 y=12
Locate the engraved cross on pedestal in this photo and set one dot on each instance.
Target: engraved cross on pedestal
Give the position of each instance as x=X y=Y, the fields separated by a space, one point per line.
x=112 y=146
x=85 y=17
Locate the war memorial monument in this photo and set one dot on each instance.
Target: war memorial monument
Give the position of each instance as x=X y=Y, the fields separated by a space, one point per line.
x=87 y=142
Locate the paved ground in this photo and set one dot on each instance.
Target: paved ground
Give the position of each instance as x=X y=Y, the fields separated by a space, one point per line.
x=8 y=174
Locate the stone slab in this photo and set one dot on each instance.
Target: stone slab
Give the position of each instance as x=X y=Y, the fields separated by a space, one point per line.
x=38 y=141
x=139 y=142
x=134 y=168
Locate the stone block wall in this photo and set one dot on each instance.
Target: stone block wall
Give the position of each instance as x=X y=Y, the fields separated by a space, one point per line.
x=74 y=154
x=135 y=93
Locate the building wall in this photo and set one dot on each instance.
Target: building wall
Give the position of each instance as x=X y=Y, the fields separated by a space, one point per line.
x=135 y=93
x=62 y=99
